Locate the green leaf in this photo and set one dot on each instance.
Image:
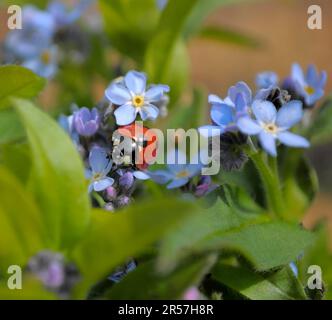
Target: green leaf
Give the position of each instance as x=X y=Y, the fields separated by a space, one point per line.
x=114 y=238
x=223 y=228
x=130 y=25
x=300 y=183
x=10 y=127
x=320 y=131
x=319 y=254
x=57 y=179
x=166 y=59
x=185 y=239
x=16 y=158
x=201 y=11
x=225 y=35
x=146 y=283
x=32 y=289
x=266 y=245
x=281 y=285
x=21 y=227
x=19 y=82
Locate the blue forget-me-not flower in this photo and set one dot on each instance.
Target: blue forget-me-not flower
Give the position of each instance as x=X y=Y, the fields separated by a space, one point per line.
x=178 y=174
x=267 y=79
x=133 y=97
x=37 y=34
x=271 y=125
x=311 y=85
x=44 y=64
x=225 y=113
x=100 y=165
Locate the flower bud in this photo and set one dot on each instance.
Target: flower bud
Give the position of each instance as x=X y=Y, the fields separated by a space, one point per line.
x=111 y=193
x=126 y=181
x=86 y=121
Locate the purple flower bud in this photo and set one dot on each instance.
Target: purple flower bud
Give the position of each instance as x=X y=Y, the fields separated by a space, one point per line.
x=86 y=122
x=54 y=276
x=204 y=186
x=49 y=267
x=126 y=181
x=122 y=201
x=111 y=193
x=202 y=190
x=192 y=294
x=109 y=207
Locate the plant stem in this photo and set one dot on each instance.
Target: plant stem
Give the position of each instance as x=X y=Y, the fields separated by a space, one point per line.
x=99 y=199
x=270 y=181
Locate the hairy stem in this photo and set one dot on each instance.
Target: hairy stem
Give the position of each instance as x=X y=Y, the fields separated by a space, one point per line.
x=271 y=183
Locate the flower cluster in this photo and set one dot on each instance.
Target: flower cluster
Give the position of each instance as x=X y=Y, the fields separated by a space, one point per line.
x=98 y=132
x=37 y=45
x=272 y=114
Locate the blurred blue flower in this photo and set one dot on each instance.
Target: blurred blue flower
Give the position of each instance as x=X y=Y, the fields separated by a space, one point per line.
x=132 y=98
x=309 y=86
x=37 y=34
x=64 y=16
x=271 y=125
x=267 y=79
x=66 y=122
x=44 y=64
x=100 y=165
x=161 y=4
x=178 y=174
x=86 y=121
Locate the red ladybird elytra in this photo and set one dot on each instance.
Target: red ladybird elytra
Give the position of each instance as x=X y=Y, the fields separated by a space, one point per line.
x=144 y=140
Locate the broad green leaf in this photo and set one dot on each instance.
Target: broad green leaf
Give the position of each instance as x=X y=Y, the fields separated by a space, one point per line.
x=57 y=179
x=281 y=285
x=146 y=283
x=227 y=229
x=10 y=127
x=114 y=238
x=185 y=239
x=130 y=24
x=17 y=159
x=266 y=245
x=225 y=35
x=21 y=223
x=19 y=82
x=320 y=131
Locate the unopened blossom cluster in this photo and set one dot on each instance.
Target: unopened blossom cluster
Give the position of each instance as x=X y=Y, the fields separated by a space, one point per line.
x=37 y=46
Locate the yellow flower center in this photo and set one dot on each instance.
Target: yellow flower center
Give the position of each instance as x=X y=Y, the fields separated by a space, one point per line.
x=271 y=128
x=182 y=174
x=138 y=101
x=97 y=176
x=309 y=90
x=45 y=57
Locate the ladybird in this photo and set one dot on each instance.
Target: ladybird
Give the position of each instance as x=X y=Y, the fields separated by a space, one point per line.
x=140 y=150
